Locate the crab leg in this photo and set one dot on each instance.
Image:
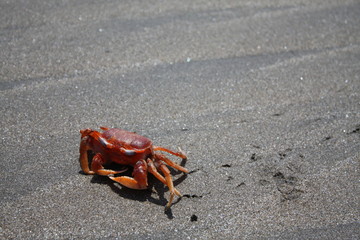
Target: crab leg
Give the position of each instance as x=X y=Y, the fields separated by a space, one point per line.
x=139 y=181
x=169 y=183
x=152 y=169
x=171 y=163
x=179 y=154
x=158 y=165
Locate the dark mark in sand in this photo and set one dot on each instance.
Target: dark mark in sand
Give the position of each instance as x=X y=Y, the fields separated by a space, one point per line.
x=226 y=165
x=193 y=218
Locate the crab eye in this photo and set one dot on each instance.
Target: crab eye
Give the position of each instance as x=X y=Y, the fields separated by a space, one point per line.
x=130 y=152
x=103 y=142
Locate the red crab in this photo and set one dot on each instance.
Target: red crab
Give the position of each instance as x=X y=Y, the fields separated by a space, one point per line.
x=127 y=148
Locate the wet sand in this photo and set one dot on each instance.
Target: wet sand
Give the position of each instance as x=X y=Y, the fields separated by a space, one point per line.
x=263 y=97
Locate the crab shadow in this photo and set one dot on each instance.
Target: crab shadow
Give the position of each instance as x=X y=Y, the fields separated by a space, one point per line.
x=156 y=188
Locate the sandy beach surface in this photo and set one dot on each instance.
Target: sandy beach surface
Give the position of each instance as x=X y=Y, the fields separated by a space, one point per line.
x=263 y=96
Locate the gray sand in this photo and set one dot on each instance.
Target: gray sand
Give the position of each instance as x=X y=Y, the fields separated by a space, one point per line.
x=263 y=97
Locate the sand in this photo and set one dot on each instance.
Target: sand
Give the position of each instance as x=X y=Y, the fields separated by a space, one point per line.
x=263 y=97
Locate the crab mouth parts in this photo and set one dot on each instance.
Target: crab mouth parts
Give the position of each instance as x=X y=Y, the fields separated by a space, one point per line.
x=85 y=132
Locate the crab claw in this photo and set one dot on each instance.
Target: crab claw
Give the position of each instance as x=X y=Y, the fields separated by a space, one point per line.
x=107 y=172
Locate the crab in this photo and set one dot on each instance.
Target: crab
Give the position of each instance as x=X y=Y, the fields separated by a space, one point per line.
x=115 y=145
